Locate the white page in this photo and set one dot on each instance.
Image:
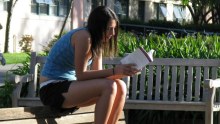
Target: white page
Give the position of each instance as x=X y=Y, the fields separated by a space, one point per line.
x=138 y=57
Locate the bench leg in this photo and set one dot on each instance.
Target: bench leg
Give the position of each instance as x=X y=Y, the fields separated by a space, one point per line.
x=218 y=117
x=16 y=94
x=208 y=117
x=126 y=116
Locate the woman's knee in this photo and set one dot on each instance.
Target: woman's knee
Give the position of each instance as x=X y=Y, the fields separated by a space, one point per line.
x=121 y=86
x=111 y=86
x=116 y=86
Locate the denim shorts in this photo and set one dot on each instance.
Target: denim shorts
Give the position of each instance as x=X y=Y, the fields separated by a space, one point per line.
x=51 y=95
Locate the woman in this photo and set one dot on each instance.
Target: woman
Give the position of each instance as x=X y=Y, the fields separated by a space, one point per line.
x=66 y=82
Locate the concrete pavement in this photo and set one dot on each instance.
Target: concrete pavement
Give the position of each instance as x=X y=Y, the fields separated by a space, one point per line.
x=4 y=69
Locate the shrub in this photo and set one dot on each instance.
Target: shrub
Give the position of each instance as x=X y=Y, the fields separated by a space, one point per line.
x=25 y=43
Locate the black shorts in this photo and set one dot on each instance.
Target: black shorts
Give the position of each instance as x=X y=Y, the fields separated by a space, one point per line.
x=51 y=95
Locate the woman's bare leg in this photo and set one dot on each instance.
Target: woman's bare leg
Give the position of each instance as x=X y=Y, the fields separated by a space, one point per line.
x=104 y=105
x=81 y=93
x=118 y=102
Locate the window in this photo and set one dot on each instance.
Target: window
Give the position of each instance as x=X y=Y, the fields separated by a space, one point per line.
x=161 y=11
x=34 y=7
x=62 y=7
x=179 y=13
x=54 y=8
x=43 y=9
x=121 y=8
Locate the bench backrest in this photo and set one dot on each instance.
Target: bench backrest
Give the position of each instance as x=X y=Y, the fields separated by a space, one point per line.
x=165 y=79
x=174 y=79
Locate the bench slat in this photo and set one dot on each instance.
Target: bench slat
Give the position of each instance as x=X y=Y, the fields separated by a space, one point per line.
x=206 y=76
x=33 y=62
x=134 y=87
x=197 y=84
x=110 y=61
x=185 y=62
x=189 y=84
x=150 y=83
x=158 y=81
x=214 y=72
x=165 y=105
x=181 y=83
x=127 y=81
x=29 y=102
x=173 y=83
x=166 y=83
x=142 y=84
x=36 y=76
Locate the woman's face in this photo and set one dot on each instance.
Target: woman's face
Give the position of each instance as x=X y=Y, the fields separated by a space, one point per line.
x=110 y=30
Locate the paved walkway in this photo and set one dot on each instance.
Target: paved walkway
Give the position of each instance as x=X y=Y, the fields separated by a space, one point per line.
x=4 y=69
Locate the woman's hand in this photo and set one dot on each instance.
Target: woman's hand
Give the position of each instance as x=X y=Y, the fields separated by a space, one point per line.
x=125 y=69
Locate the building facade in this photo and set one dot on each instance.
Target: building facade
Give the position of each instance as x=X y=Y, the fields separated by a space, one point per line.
x=44 y=20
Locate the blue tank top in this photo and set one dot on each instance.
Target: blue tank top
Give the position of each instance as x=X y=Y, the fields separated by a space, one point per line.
x=60 y=61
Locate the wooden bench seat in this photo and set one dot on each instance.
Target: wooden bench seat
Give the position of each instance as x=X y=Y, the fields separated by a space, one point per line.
x=165 y=84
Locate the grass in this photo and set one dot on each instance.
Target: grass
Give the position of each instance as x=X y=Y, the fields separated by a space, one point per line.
x=14 y=58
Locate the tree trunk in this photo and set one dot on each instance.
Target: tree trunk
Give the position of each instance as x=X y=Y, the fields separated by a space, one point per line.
x=11 y=4
x=7 y=31
x=194 y=14
x=218 y=14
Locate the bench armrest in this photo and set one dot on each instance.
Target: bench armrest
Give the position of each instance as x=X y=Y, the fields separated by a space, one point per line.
x=210 y=86
x=19 y=80
x=23 y=78
x=210 y=83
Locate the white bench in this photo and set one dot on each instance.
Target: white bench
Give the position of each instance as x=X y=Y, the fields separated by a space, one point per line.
x=165 y=84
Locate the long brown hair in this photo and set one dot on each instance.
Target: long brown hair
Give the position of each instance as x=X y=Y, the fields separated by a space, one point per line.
x=97 y=26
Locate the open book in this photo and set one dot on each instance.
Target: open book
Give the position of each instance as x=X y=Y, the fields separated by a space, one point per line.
x=139 y=57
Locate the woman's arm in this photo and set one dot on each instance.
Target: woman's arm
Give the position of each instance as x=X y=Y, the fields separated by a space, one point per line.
x=82 y=45
x=97 y=62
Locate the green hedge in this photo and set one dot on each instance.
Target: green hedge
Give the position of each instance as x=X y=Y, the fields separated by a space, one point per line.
x=199 y=46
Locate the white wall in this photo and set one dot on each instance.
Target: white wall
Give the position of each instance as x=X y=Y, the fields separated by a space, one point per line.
x=41 y=27
x=169 y=11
